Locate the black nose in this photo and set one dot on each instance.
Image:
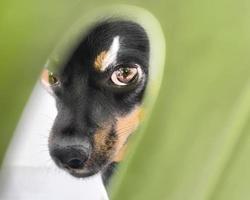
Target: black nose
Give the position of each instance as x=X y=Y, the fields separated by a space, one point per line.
x=73 y=157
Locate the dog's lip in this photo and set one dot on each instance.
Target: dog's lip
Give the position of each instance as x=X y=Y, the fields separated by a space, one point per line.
x=81 y=173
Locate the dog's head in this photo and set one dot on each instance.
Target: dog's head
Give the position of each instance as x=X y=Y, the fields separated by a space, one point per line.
x=98 y=94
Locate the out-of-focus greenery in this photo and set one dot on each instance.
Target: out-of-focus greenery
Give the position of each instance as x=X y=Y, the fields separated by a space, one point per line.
x=196 y=143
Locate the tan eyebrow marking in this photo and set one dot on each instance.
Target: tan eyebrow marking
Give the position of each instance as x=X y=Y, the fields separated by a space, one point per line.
x=105 y=58
x=45 y=77
x=99 y=60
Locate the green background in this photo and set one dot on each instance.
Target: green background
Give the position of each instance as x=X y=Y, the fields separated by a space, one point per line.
x=196 y=143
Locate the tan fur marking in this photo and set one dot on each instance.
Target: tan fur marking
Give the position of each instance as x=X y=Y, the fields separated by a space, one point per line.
x=125 y=127
x=120 y=155
x=115 y=148
x=103 y=146
x=100 y=138
x=45 y=77
x=99 y=60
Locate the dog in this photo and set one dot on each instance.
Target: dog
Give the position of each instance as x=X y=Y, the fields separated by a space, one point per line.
x=99 y=93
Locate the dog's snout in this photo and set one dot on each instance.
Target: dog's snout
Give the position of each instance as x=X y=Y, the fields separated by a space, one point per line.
x=71 y=157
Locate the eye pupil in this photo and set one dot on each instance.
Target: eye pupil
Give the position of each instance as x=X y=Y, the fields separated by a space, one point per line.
x=126 y=71
x=125 y=75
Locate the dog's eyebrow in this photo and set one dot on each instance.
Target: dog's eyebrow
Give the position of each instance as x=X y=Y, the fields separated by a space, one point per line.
x=105 y=58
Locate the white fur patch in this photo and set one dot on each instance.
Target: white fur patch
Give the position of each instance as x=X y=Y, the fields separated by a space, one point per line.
x=111 y=55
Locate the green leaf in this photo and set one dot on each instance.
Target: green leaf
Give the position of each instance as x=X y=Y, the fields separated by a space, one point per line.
x=196 y=144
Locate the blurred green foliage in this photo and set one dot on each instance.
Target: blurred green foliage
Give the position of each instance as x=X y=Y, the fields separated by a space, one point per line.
x=196 y=142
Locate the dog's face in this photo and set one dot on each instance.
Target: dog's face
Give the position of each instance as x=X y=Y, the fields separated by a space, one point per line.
x=98 y=95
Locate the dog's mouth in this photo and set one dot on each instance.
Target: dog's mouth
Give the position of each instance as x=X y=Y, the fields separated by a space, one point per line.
x=85 y=171
x=78 y=173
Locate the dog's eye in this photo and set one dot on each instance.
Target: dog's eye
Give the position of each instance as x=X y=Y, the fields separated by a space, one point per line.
x=125 y=75
x=49 y=81
x=52 y=79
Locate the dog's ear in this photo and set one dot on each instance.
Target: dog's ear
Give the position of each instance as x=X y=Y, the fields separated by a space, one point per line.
x=48 y=80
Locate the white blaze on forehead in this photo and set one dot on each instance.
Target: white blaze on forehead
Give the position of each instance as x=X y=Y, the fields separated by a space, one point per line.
x=111 y=55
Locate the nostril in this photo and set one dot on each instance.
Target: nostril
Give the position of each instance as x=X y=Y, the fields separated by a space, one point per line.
x=76 y=163
x=76 y=159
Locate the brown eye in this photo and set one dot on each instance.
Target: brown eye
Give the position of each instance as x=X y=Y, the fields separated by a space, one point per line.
x=52 y=79
x=125 y=75
x=48 y=79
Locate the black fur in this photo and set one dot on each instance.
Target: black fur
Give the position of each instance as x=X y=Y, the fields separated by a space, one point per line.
x=87 y=100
